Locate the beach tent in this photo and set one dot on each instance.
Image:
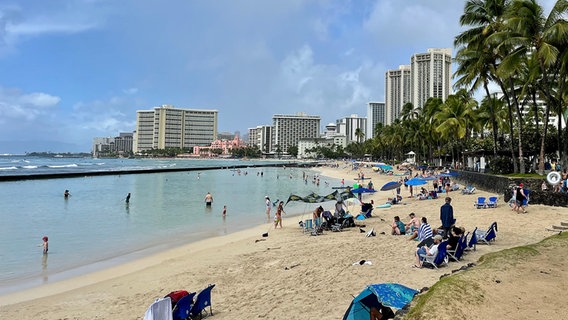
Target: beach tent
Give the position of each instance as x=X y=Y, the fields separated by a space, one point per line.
x=316 y=198
x=388 y=294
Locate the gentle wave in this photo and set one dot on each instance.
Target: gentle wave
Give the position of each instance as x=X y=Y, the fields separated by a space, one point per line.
x=30 y=167
x=64 y=166
x=9 y=168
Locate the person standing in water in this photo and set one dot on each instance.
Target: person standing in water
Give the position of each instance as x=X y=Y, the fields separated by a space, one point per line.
x=66 y=194
x=128 y=198
x=208 y=199
x=268 y=206
x=224 y=211
x=45 y=245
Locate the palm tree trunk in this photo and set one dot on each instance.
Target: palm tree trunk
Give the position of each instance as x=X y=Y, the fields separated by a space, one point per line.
x=493 y=120
x=510 y=118
x=520 y=128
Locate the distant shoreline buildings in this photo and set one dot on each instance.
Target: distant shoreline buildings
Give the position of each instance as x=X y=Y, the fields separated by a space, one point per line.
x=428 y=75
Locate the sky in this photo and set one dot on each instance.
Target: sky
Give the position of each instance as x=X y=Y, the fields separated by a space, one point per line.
x=72 y=70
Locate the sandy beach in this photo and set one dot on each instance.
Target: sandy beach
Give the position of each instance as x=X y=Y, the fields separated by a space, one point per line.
x=293 y=275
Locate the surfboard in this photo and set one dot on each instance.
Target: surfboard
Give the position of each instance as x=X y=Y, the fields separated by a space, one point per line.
x=385 y=205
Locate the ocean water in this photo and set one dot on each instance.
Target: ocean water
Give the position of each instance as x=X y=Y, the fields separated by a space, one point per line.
x=94 y=228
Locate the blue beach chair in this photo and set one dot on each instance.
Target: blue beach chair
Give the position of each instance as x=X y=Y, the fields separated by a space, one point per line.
x=441 y=258
x=202 y=301
x=183 y=307
x=492 y=202
x=480 y=204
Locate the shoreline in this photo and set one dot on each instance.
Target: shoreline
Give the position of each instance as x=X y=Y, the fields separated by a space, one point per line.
x=287 y=270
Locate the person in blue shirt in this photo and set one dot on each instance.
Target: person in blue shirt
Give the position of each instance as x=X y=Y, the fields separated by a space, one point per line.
x=447 y=216
x=398 y=227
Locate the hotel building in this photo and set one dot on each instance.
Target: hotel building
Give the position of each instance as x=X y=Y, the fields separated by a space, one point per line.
x=376 y=113
x=348 y=127
x=289 y=129
x=397 y=92
x=170 y=127
x=431 y=75
x=261 y=136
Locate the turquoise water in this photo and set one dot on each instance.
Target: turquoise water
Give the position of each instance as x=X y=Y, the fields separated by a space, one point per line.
x=94 y=228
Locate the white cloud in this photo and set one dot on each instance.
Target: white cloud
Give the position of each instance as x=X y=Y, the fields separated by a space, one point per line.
x=19 y=106
x=130 y=91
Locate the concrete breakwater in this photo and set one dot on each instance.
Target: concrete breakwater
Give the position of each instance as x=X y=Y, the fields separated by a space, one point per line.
x=62 y=175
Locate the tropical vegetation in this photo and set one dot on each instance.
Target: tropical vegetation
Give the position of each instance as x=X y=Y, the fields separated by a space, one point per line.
x=514 y=46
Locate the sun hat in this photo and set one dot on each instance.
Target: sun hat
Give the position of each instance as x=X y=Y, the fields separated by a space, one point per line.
x=438 y=237
x=520 y=185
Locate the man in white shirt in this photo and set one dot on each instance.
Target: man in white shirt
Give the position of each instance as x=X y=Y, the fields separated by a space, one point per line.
x=432 y=251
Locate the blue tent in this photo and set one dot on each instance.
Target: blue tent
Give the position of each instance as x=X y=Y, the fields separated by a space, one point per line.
x=362 y=190
x=388 y=294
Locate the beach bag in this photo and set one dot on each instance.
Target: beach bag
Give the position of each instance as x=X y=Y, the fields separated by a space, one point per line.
x=175 y=296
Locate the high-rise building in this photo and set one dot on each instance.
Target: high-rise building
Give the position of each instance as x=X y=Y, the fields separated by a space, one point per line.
x=397 y=92
x=376 y=113
x=170 y=127
x=261 y=136
x=113 y=146
x=289 y=129
x=350 y=126
x=431 y=74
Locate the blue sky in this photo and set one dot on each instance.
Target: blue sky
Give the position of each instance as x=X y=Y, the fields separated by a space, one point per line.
x=74 y=70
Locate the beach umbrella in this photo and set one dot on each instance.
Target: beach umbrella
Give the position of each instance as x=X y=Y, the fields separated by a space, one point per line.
x=416 y=182
x=388 y=294
x=390 y=186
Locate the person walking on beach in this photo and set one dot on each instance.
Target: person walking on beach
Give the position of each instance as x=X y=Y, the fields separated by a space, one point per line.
x=268 y=207
x=127 y=198
x=278 y=215
x=45 y=245
x=208 y=199
x=520 y=198
x=447 y=216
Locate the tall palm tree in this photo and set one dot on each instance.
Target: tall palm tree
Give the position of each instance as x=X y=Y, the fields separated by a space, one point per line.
x=543 y=40
x=359 y=134
x=478 y=56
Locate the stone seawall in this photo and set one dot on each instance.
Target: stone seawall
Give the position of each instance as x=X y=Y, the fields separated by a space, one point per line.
x=502 y=186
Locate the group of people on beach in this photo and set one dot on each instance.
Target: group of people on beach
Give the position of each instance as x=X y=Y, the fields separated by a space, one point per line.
x=421 y=231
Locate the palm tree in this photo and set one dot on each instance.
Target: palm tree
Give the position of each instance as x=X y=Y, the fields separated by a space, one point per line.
x=543 y=41
x=359 y=134
x=479 y=53
x=457 y=117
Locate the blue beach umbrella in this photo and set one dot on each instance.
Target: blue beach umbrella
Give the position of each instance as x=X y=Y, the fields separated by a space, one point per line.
x=416 y=182
x=390 y=186
x=388 y=294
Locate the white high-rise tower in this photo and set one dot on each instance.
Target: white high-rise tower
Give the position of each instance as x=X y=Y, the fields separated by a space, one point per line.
x=397 y=92
x=431 y=74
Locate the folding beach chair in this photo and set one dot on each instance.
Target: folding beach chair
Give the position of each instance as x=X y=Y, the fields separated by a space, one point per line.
x=202 y=301
x=308 y=226
x=441 y=258
x=492 y=202
x=473 y=241
x=480 y=204
x=183 y=307
x=487 y=236
x=456 y=255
